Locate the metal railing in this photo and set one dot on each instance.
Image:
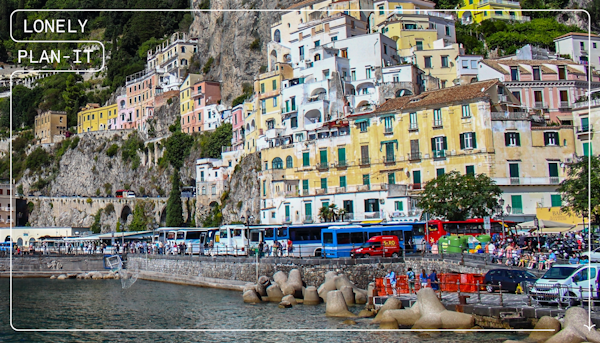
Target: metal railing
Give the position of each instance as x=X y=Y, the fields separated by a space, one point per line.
x=413 y=126
x=365 y=161
x=389 y=159
x=439 y=153
x=414 y=156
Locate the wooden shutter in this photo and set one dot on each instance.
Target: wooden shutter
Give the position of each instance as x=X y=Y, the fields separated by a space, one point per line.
x=474 y=136
x=462 y=141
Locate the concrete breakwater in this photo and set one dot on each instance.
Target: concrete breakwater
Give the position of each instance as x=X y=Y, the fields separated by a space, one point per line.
x=42 y=265
x=240 y=270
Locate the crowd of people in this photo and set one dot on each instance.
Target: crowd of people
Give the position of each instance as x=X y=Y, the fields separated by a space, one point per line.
x=425 y=280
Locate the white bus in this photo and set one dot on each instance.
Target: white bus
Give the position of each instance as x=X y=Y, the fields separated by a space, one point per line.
x=237 y=240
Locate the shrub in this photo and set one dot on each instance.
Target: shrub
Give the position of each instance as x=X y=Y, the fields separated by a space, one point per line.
x=89 y=200
x=75 y=142
x=37 y=159
x=110 y=208
x=97 y=192
x=112 y=150
x=255 y=45
x=208 y=65
x=107 y=188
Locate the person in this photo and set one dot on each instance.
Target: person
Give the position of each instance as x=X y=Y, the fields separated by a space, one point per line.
x=542 y=262
x=261 y=247
x=290 y=247
x=433 y=280
x=411 y=280
x=423 y=278
x=492 y=250
x=478 y=249
x=573 y=259
x=551 y=259
x=532 y=261
x=391 y=276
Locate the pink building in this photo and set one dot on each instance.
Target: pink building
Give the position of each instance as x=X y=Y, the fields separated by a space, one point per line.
x=204 y=93
x=550 y=86
x=237 y=122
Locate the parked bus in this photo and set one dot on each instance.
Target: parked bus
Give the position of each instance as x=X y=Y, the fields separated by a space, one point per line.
x=124 y=193
x=237 y=240
x=306 y=239
x=414 y=240
x=338 y=241
x=470 y=227
x=197 y=240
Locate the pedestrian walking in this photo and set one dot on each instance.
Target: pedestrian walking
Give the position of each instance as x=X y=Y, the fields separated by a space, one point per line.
x=433 y=280
x=391 y=276
x=424 y=278
x=411 y=280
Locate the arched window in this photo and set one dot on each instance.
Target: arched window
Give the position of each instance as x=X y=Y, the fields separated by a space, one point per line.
x=289 y=162
x=277 y=163
x=277 y=36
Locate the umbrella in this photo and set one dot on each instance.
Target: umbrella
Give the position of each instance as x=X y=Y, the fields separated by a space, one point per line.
x=547 y=226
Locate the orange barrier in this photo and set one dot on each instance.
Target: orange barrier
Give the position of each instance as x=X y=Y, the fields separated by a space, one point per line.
x=448 y=282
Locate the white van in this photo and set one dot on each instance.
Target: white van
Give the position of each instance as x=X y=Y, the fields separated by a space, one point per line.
x=566 y=283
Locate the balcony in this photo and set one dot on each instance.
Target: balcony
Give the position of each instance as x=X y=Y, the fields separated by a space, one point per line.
x=389 y=159
x=539 y=104
x=439 y=154
x=291 y=194
x=365 y=161
x=500 y=2
x=305 y=192
x=583 y=129
x=583 y=104
x=308 y=219
x=437 y=124
x=416 y=186
x=364 y=188
x=339 y=190
x=372 y=215
x=516 y=181
x=414 y=156
x=287 y=220
x=388 y=130
x=341 y=164
x=322 y=166
x=413 y=127
x=321 y=191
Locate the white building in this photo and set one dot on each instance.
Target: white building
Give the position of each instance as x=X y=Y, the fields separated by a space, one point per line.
x=581 y=47
x=212 y=179
x=467 y=68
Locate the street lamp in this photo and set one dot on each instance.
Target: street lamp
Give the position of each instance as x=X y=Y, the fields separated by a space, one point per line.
x=247 y=220
x=500 y=211
x=536 y=222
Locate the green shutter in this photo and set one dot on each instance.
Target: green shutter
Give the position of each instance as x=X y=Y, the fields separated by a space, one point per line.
x=323 y=155
x=474 y=140
x=462 y=141
x=439 y=172
x=305 y=159
x=324 y=183
x=392 y=178
x=553 y=169
x=308 y=209
x=514 y=169
x=342 y=181
x=399 y=206
x=470 y=170
x=366 y=179
x=342 y=156
x=417 y=176
x=287 y=211
x=274 y=85
x=585 y=123
x=305 y=185
x=264 y=188
x=517 y=204
x=556 y=200
x=587 y=149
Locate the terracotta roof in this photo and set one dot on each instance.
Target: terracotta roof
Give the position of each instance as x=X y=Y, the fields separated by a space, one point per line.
x=547 y=70
x=575 y=71
x=513 y=63
x=576 y=34
x=303 y=4
x=496 y=66
x=437 y=97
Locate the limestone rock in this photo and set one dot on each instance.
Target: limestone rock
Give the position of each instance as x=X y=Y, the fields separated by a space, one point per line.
x=546 y=322
x=574 y=330
x=360 y=298
x=349 y=322
x=250 y=296
x=348 y=294
x=336 y=305
x=290 y=299
x=326 y=287
x=53 y=277
x=294 y=282
x=274 y=293
x=248 y=286
x=263 y=283
x=280 y=279
x=311 y=297
x=285 y=304
x=366 y=314
x=62 y=277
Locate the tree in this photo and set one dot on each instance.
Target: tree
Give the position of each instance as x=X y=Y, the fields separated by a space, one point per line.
x=178 y=147
x=174 y=205
x=139 y=221
x=458 y=197
x=575 y=189
x=212 y=142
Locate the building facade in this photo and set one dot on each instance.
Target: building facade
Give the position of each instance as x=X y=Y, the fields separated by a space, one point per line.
x=49 y=124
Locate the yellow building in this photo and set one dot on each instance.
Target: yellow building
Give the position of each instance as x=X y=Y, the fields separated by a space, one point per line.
x=95 y=118
x=439 y=62
x=48 y=124
x=476 y=11
x=249 y=133
x=186 y=103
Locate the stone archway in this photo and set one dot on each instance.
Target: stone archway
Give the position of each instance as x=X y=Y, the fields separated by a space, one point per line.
x=125 y=213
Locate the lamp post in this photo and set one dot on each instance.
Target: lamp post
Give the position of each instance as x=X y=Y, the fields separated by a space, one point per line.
x=247 y=220
x=500 y=211
x=536 y=222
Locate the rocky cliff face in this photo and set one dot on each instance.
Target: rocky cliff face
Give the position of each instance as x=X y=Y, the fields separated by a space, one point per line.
x=227 y=36
x=244 y=191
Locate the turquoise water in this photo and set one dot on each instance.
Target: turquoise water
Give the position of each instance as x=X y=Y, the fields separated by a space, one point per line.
x=103 y=304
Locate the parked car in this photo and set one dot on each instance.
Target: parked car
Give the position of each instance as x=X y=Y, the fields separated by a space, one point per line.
x=594 y=256
x=566 y=283
x=378 y=246
x=509 y=278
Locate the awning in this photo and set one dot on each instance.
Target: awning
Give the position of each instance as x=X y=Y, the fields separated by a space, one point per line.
x=372 y=221
x=388 y=115
x=565 y=117
x=358 y=121
x=394 y=141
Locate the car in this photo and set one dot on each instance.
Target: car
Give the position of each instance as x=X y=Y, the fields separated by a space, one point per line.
x=510 y=279
x=594 y=256
x=567 y=283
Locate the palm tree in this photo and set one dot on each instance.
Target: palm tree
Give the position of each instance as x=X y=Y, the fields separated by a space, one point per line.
x=324 y=214
x=333 y=212
x=341 y=213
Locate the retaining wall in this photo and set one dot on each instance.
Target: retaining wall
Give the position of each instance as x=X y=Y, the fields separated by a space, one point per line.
x=51 y=263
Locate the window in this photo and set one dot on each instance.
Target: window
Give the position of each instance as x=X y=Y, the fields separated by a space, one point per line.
x=413 y=124
x=308 y=209
x=341 y=157
x=289 y=162
x=514 y=73
x=334 y=38
x=437 y=117
x=342 y=181
x=381 y=10
x=344 y=52
x=317 y=43
x=553 y=172
x=324 y=184
x=562 y=72
x=368 y=72
x=539 y=100
x=385 y=49
x=517 y=204
x=417 y=179
x=551 y=139
x=399 y=9
x=582 y=45
x=305 y=159
x=353 y=75
x=392 y=178
x=512 y=139
x=388 y=123
x=363 y=125
x=536 y=73
x=470 y=170
x=594 y=45
x=294 y=122
x=274 y=101
x=419 y=45
x=262 y=87
x=447 y=30
x=465 y=64
x=364 y=154
x=466 y=111
x=277 y=163
x=513 y=170
x=301 y=50
x=468 y=140
x=274 y=85
x=439 y=172
x=349 y=206
x=263 y=107
x=587 y=149
x=323 y=157
x=517 y=95
x=427 y=61
x=564 y=98
x=305 y=185
x=585 y=126
x=366 y=179
x=398 y=206
x=498 y=13
x=439 y=145
x=445 y=62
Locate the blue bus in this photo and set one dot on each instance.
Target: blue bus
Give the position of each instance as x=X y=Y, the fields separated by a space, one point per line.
x=415 y=239
x=338 y=241
x=306 y=239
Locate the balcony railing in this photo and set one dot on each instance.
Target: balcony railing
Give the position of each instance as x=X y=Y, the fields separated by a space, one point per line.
x=416 y=186
x=507 y=181
x=305 y=192
x=389 y=159
x=539 y=104
x=388 y=130
x=554 y=180
x=595 y=102
x=565 y=104
x=322 y=166
x=439 y=154
x=340 y=189
x=308 y=219
x=342 y=164
x=437 y=123
x=583 y=129
x=321 y=191
x=413 y=126
x=515 y=181
x=287 y=219
x=365 y=161
x=362 y=188
x=414 y=156
x=503 y=2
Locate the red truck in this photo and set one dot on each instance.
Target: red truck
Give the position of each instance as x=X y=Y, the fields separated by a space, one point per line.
x=385 y=246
